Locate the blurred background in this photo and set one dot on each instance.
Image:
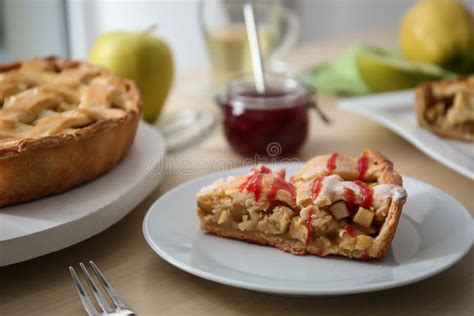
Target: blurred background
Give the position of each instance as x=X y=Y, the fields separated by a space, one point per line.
x=69 y=27
x=160 y=43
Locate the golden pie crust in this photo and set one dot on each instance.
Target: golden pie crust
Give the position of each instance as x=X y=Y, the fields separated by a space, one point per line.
x=302 y=219
x=447 y=108
x=62 y=123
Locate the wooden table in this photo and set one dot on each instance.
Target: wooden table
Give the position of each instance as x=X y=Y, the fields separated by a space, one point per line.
x=152 y=287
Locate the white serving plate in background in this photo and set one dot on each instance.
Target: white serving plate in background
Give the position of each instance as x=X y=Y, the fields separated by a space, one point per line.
x=396 y=111
x=52 y=223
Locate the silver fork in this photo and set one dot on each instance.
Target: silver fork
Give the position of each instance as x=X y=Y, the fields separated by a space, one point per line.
x=120 y=308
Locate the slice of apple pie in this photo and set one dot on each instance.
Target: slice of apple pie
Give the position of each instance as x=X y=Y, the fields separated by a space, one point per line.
x=447 y=108
x=335 y=205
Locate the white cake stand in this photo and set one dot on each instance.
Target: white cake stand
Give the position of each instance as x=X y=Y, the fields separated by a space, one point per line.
x=34 y=229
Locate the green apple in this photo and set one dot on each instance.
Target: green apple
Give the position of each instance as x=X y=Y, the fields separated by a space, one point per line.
x=384 y=72
x=141 y=57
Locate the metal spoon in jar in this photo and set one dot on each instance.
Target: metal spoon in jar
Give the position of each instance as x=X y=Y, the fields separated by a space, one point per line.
x=255 y=53
x=256 y=57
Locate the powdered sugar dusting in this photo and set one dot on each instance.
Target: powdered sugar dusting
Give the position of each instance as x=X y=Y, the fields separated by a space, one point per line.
x=334 y=186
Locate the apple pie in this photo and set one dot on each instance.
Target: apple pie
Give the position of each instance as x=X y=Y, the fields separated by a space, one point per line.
x=447 y=108
x=62 y=123
x=334 y=205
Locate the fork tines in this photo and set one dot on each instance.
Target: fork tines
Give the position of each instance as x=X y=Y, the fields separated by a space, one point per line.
x=119 y=307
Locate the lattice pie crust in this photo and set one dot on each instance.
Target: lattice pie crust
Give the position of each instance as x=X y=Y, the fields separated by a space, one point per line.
x=62 y=123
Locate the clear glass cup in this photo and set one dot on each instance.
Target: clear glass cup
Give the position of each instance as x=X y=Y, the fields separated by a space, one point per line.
x=223 y=27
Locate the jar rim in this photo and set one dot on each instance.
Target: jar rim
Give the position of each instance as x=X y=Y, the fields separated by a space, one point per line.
x=289 y=92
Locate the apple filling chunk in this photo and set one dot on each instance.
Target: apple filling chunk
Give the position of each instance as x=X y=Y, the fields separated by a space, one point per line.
x=339 y=210
x=277 y=222
x=363 y=217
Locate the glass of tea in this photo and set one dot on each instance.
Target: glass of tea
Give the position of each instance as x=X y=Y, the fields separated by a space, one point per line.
x=271 y=124
x=222 y=24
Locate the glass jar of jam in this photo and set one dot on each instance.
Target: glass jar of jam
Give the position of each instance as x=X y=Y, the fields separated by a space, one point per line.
x=271 y=124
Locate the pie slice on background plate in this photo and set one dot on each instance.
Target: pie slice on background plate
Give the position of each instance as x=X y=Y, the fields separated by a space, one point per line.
x=447 y=108
x=335 y=205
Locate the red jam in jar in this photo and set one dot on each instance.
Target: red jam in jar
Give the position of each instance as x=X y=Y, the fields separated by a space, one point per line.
x=271 y=124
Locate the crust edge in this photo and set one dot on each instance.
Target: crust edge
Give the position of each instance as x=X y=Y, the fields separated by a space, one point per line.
x=294 y=247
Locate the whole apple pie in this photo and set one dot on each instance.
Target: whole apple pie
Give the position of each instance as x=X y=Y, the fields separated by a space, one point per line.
x=334 y=205
x=62 y=123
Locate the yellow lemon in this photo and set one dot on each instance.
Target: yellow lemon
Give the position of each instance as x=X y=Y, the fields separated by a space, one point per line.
x=440 y=32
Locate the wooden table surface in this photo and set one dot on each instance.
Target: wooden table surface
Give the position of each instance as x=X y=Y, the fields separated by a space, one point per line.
x=43 y=286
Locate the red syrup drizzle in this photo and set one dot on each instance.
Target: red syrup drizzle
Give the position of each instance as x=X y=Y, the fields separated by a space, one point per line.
x=265 y=170
x=315 y=190
x=254 y=184
x=367 y=194
x=331 y=164
x=350 y=199
x=351 y=230
x=309 y=225
x=367 y=197
x=363 y=165
x=317 y=185
x=281 y=184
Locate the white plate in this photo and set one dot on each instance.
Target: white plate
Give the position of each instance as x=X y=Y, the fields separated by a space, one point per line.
x=434 y=232
x=395 y=111
x=33 y=229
